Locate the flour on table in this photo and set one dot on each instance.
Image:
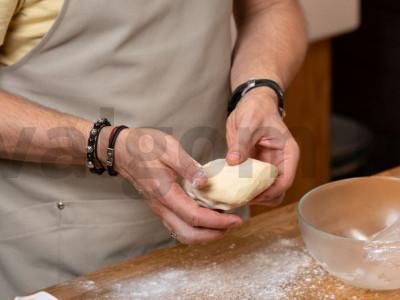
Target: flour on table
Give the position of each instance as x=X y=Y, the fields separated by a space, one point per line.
x=281 y=270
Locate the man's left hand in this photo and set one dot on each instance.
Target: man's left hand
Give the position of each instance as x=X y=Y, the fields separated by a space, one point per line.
x=255 y=129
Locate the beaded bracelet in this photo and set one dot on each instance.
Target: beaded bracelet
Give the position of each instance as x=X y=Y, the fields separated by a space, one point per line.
x=93 y=162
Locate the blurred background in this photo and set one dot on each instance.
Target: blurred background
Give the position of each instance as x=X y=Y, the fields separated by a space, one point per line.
x=344 y=106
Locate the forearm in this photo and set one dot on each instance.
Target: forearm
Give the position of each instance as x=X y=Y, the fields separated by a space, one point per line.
x=30 y=132
x=271 y=41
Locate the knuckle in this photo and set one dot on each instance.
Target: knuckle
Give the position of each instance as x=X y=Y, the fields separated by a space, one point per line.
x=172 y=143
x=194 y=219
x=161 y=200
x=156 y=208
x=190 y=168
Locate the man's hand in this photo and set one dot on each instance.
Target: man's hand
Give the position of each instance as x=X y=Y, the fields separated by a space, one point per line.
x=149 y=159
x=271 y=44
x=255 y=129
x=152 y=161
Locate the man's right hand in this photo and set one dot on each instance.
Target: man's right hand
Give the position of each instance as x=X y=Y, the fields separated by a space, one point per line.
x=149 y=159
x=152 y=161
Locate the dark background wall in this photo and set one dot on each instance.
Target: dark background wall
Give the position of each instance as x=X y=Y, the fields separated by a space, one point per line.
x=366 y=80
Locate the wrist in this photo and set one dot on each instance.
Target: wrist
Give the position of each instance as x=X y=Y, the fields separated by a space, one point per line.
x=261 y=89
x=264 y=99
x=102 y=144
x=116 y=152
x=119 y=147
x=83 y=127
x=264 y=93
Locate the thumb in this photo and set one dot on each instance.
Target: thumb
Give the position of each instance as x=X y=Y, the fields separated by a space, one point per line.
x=239 y=144
x=182 y=163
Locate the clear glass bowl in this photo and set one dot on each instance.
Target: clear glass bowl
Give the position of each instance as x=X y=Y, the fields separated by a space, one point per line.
x=337 y=218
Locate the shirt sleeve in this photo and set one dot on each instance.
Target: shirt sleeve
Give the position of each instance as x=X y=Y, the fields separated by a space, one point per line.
x=7 y=10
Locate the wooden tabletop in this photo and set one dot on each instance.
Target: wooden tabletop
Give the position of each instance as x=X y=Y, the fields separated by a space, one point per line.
x=265 y=259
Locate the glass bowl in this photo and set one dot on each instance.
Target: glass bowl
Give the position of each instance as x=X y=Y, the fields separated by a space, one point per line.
x=337 y=219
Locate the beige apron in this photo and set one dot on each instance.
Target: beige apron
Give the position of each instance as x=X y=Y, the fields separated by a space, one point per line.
x=157 y=63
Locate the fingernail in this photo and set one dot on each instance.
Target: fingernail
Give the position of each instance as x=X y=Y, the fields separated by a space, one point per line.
x=234 y=155
x=197 y=182
x=235 y=224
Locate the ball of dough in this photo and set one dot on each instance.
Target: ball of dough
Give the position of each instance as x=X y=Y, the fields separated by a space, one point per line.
x=230 y=187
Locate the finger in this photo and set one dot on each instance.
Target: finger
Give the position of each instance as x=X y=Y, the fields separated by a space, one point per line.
x=241 y=140
x=266 y=201
x=162 y=187
x=287 y=171
x=189 y=211
x=181 y=162
x=238 y=141
x=274 y=143
x=153 y=178
x=187 y=234
x=277 y=201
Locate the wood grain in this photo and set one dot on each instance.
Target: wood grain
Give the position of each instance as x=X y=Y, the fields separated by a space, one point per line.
x=255 y=235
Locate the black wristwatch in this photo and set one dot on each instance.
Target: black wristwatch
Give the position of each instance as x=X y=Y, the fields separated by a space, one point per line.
x=244 y=88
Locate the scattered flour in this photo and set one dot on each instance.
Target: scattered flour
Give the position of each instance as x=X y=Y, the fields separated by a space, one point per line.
x=268 y=273
x=87 y=284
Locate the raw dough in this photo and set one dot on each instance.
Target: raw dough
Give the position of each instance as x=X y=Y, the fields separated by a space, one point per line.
x=233 y=186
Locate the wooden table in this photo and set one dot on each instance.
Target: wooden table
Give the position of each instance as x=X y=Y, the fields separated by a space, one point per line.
x=265 y=259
